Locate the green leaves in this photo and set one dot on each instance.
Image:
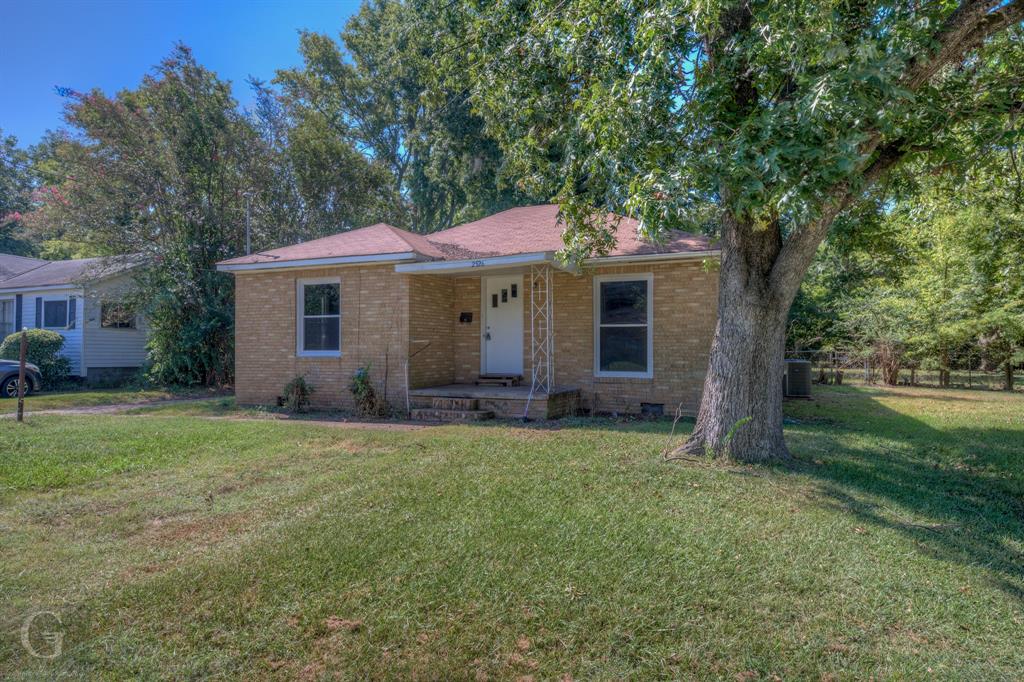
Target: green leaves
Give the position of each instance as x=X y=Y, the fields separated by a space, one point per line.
x=393 y=91
x=763 y=110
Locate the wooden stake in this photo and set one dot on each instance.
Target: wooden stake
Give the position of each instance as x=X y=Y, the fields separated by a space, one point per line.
x=21 y=376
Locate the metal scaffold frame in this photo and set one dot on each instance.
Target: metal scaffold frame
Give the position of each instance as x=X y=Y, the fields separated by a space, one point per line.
x=542 y=330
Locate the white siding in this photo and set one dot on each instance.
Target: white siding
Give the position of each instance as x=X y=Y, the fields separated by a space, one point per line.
x=111 y=347
x=72 y=337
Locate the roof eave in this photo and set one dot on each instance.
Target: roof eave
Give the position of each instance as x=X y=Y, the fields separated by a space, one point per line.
x=306 y=263
x=654 y=257
x=451 y=267
x=71 y=286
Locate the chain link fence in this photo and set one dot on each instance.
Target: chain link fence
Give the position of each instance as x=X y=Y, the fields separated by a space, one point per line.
x=859 y=368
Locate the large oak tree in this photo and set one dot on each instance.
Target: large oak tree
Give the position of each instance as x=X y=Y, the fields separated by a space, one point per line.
x=772 y=117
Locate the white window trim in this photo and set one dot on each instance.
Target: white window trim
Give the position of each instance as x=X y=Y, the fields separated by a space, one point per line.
x=631 y=277
x=67 y=311
x=300 y=328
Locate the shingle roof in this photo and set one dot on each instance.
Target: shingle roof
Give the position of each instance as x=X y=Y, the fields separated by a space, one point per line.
x=11 y=265
x=529 y=229
x=532 y=229
x=374 y=240
x=56 y=273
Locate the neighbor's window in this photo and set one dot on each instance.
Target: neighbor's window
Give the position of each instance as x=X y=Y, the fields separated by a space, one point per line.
x=55 y=314
x=622 y=334
x=116 y=316
x=320 y=317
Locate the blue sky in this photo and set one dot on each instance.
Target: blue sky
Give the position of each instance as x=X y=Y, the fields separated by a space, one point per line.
x=111 y=44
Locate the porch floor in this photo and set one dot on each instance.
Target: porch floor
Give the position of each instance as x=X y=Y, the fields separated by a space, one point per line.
x=505 y=401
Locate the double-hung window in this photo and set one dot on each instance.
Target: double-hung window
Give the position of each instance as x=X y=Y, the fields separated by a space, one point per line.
x=55 y=314
x=319 y=317
x=623 y=324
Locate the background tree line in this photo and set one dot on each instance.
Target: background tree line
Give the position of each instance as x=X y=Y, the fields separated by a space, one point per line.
x=933 y=280
x=367 y=130
x=426 y=114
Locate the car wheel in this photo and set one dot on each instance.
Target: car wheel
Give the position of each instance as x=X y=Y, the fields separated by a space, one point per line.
x=9 y=388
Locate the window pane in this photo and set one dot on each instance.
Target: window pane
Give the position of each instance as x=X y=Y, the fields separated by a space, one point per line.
x=624 y=302
x=55 y=313
x=321 y=333
x=322 y=299
x=624 y=349
x=117 y=316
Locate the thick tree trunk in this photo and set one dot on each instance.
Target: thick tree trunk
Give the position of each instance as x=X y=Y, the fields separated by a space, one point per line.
x=1008 y=376
x=740 y=413
x=741 y=410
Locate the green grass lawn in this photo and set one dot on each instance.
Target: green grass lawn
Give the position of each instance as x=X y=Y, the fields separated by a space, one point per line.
x=62 y=400
x=175 y=546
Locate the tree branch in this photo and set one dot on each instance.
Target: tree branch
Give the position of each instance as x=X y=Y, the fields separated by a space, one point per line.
x=736 y=21
x=963 y=31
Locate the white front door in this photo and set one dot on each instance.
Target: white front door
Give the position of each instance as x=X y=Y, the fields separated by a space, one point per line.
x=503 y=325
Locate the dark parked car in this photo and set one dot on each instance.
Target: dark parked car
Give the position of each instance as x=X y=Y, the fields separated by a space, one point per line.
x=9 y=378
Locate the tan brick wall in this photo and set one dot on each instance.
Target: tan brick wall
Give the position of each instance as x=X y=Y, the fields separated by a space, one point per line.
x=685 y=314
x=432 y=318
x=466 y=339
x=374 y=324
x=382 y=310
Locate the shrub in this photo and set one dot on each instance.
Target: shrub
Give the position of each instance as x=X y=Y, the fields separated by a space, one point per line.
x=297 y=394
x=367 y=402
x=44 y=347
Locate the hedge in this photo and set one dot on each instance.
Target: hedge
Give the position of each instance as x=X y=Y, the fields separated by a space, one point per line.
x=44 y=348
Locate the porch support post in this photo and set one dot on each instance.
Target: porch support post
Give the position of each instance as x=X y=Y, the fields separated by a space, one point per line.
x=542 y=332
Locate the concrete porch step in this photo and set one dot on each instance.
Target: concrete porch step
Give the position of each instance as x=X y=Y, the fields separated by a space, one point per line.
x=494 y=380
x=462 y=404
x=434 y=414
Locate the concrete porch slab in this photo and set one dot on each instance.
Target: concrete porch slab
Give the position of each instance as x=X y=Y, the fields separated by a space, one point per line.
x=505 y=401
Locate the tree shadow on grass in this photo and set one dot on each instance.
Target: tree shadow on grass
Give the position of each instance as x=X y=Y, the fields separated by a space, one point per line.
x=957 y=493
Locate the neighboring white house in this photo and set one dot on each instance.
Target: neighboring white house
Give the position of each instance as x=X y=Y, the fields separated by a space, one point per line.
x=84 y=301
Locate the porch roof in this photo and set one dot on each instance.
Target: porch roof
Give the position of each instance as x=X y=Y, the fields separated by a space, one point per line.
x=485 y=264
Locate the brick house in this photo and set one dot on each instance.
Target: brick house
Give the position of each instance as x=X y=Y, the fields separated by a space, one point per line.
x=478 y=319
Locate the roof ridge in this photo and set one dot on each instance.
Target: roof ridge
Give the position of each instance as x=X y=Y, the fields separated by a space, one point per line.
x=415 y=240
x=492 y=215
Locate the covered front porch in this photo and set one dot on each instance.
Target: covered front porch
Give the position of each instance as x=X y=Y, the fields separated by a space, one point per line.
x=493 y=355
x=473 y=402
